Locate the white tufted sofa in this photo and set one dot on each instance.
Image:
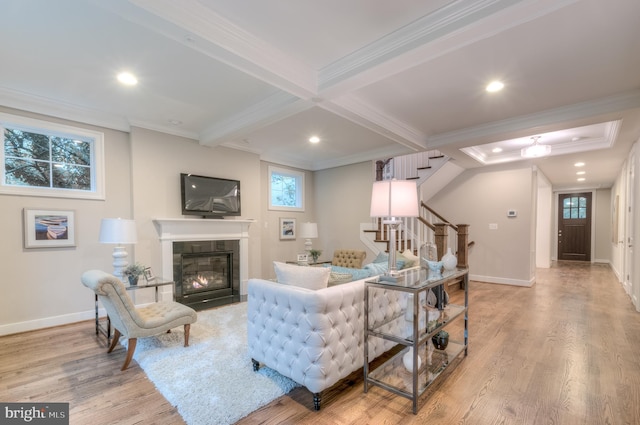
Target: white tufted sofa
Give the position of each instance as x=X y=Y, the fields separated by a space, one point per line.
x=315 y=337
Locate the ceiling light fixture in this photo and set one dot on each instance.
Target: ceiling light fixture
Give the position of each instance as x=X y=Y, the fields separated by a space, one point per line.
x=536 y=150
x=579 y=164
x=127 y=78
x=494 y=86
x=579 y=173
x=496 y=150
x=314 y=139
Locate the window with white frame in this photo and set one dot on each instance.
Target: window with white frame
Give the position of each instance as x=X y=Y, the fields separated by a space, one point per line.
x=286 y=189
x=41 y=158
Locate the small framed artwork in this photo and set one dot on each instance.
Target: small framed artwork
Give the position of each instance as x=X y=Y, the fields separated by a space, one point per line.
x=303 y=258
x=287 y=228
x=49 y=228
x=148 y=275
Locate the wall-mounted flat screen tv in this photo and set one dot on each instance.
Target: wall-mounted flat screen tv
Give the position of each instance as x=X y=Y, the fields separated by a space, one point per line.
x=209 y=197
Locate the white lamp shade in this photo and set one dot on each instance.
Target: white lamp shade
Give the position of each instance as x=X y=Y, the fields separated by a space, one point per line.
x=394 y=198
x=309 y=230
x=118 y=231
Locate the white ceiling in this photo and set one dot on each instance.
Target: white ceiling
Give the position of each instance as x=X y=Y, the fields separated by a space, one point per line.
x=372 y=78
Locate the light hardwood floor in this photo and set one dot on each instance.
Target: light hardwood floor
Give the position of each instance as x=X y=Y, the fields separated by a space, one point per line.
x=566 y=351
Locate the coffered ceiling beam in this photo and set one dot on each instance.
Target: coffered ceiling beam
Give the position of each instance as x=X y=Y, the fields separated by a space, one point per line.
x=450 y=28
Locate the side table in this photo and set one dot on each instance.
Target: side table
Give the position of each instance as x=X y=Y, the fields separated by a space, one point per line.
x=106 y=331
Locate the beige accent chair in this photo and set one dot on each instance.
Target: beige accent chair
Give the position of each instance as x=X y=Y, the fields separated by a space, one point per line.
x=352 y=258
x=132 y=322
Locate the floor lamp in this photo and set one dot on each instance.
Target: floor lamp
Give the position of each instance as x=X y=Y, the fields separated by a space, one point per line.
x=392 y=199
x=120 y=232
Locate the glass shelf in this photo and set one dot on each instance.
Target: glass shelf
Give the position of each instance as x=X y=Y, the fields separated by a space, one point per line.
x=389 y=315
x=393 y=373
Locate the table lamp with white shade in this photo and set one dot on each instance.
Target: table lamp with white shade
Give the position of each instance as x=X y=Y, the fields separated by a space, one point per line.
x=120 y=232
x=392 y=199
x=308 y=231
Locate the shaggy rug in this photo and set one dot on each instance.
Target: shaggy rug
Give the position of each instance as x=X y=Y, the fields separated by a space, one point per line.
x=211 y=381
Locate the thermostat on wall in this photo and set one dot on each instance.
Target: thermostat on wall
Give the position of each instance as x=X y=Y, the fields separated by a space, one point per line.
x=512 y=213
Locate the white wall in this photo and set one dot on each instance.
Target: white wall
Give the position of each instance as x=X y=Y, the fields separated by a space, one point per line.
x=602 y=228
x=41 y=287
x=343 y=201
x=274 y=249
x=481 y=198
x=544 y=221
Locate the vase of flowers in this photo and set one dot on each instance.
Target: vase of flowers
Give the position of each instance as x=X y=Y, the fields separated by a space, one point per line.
x=133 y=273
x=315 y=254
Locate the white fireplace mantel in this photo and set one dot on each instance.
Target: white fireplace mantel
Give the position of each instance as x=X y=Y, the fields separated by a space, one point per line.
x=194 y=229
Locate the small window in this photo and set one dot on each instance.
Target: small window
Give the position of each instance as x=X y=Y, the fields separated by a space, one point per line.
x=574 y=208
x=286 y=189
x=46 y=159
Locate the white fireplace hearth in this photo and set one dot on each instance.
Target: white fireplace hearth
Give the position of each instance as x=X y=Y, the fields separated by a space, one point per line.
x=193 y=229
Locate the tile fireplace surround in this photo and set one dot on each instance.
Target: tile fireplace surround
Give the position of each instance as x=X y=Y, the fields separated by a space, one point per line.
x=193 y=229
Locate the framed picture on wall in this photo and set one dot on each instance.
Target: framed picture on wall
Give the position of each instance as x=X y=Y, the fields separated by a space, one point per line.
x=287 y=228
x=49 y=228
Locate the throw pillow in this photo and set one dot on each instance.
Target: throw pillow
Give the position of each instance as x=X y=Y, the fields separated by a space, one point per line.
x=411 y=259
x=383 y=257
x=303 y=277
x=336 y=278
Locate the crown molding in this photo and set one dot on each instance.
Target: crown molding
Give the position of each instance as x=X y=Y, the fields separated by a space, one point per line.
x=167 y=129
x=593 y=108
x=60 y=109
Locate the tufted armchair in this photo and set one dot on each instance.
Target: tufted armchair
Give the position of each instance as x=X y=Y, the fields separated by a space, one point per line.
x=315 y=337
x=352 y=258
x=133 y=322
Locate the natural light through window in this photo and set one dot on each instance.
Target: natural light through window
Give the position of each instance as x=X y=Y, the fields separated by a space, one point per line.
x=286 y=189
x=46 y=159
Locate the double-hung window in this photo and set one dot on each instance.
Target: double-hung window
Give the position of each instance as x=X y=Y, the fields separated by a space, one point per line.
x=41 y=158
x=286 y=189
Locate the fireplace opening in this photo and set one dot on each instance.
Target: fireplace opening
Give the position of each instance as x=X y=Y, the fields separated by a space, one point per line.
x=206 y=273
x=209 y=271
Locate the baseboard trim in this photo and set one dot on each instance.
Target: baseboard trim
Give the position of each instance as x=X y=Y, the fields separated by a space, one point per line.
x=47 y=322
x=503 y=281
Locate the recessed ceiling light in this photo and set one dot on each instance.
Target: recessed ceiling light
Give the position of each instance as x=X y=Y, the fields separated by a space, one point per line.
x=127 y=79
x=579 y=164
x=314 y=139
x=579 y=173
x=496 y=150
x=494 y=86
x=581 y=179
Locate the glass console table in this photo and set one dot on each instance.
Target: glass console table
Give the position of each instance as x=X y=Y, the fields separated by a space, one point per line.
x=413 y=330
x=106 y=330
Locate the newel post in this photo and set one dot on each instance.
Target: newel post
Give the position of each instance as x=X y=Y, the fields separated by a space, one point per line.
x=441 y=238
x=463 y=245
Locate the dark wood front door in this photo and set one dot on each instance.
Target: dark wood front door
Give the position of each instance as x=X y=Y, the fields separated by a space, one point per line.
x=574 y=226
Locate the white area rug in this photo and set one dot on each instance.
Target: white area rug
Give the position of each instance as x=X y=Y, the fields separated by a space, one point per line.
x=211 y=381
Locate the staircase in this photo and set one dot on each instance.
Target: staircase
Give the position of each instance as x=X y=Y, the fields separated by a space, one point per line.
x=429 y=226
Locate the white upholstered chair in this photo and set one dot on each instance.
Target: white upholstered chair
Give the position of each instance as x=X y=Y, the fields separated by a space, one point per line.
x=132 y=322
